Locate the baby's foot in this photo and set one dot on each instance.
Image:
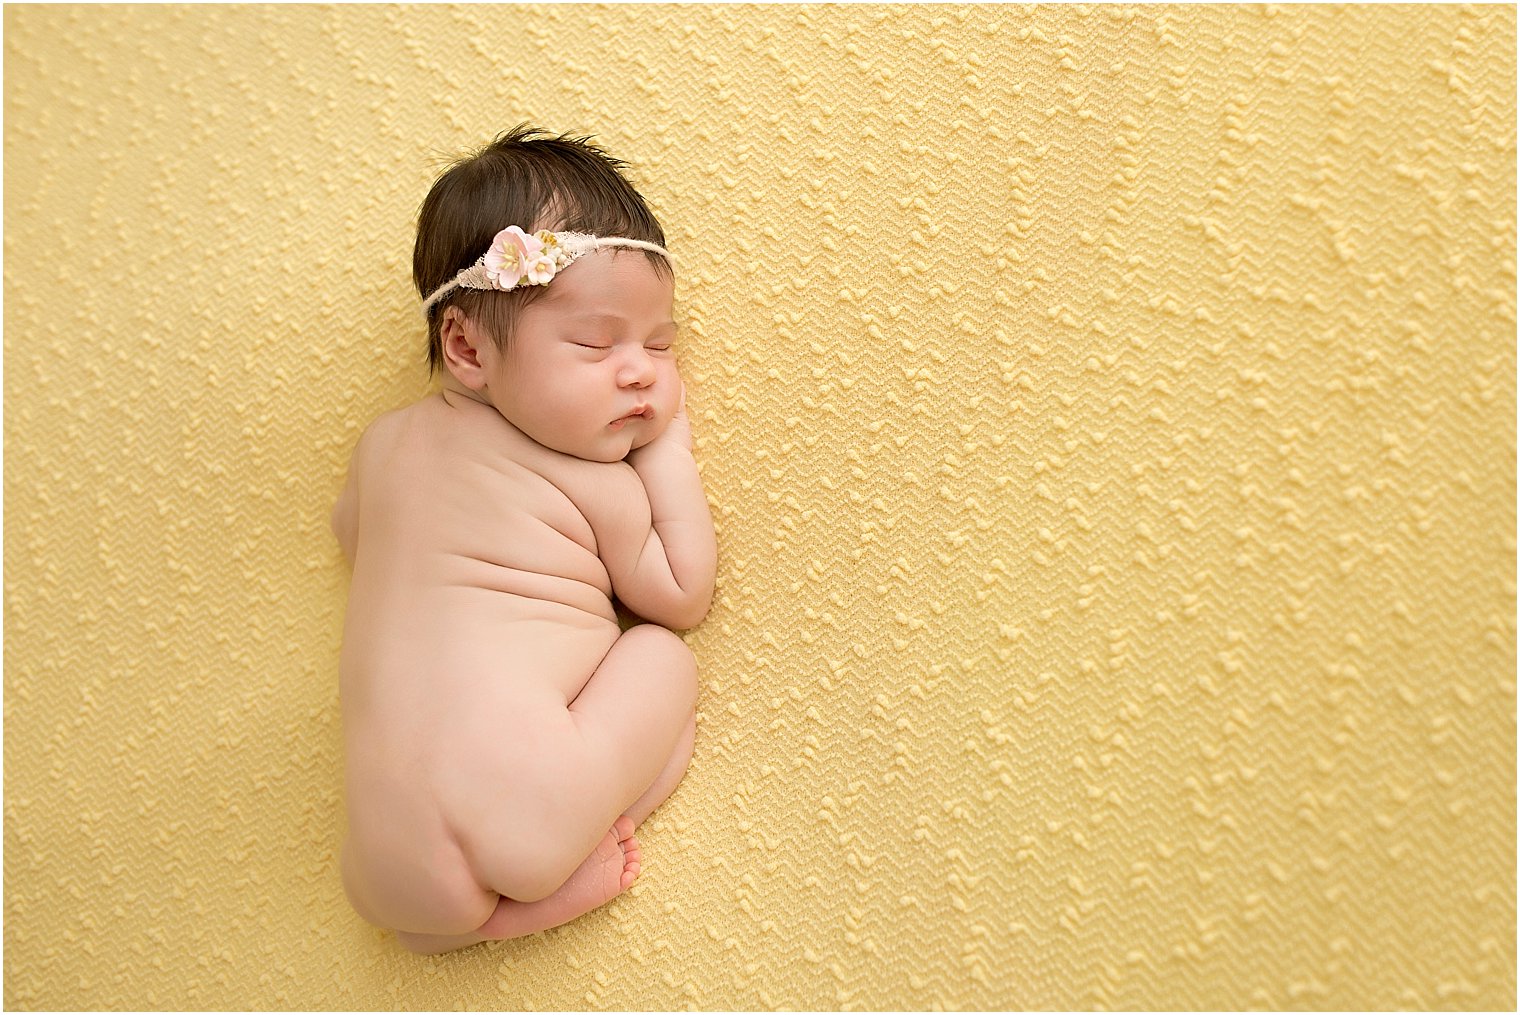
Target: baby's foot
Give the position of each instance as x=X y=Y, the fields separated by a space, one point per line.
x=628 y=865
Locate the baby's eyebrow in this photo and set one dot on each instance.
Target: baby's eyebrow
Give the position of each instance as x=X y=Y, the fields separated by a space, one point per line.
x=670 y=326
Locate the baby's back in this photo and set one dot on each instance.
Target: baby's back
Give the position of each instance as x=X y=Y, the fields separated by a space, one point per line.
x=477 y=599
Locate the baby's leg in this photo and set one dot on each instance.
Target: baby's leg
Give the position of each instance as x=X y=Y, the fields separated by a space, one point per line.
x=665 y=783
x=614 y=747
x=654 y=665
x=594 y=882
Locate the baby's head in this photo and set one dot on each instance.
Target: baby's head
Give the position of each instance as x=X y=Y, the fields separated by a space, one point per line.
x=552 y=356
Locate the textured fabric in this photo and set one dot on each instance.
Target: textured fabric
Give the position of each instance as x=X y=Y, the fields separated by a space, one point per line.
x=1109 y=419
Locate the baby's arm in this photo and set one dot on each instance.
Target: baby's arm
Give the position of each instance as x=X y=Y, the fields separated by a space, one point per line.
x=681 y=549
x=656 y=535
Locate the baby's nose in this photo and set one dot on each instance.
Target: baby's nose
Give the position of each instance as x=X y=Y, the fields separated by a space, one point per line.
x=637 y=369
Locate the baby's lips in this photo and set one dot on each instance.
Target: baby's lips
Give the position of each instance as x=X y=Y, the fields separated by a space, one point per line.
x=644 y=412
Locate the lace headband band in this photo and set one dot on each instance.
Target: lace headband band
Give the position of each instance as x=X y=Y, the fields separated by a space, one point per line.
x=517 y=258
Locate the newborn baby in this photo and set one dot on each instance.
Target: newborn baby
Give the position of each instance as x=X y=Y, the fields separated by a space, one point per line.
x=503 y=737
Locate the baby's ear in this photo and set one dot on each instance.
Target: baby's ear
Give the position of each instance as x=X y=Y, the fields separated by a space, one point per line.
x=454 y=326
x=461 y=340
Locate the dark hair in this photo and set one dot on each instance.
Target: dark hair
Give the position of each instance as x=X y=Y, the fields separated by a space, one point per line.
x=527 y=178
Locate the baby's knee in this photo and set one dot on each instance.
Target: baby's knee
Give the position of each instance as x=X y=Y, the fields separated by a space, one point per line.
x=670 y=658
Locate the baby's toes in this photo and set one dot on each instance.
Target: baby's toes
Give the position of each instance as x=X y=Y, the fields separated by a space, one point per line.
x=633 y=858
x=622 y=830
x=630 y=873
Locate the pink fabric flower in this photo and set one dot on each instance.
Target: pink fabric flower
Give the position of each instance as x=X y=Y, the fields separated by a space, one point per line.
x=512 y=254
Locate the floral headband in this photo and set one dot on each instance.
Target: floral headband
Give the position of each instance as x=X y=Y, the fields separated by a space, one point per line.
x=516 y=258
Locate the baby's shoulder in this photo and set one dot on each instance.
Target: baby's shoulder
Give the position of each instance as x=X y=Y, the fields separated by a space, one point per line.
x=427 y=422
x=381 y=433
x=392 y=425
x=388 y=440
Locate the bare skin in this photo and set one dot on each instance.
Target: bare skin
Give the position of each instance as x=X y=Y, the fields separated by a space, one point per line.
x=605 y=873
x=503 y=737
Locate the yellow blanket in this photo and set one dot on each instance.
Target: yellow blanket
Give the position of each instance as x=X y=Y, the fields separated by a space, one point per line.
x=1109 y=418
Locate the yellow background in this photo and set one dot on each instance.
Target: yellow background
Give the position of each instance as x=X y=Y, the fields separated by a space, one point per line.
x=1109 y=419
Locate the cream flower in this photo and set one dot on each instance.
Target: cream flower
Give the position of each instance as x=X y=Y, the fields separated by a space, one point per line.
x=540 y=269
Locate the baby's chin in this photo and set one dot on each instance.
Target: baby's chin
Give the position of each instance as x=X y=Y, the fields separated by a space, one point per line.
x=638 y=441
x=649 y=433
x=607 y=447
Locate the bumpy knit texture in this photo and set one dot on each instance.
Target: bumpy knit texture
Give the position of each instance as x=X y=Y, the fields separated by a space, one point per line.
x=1108 y=416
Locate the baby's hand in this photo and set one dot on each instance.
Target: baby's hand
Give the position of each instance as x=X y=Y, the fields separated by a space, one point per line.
x=678 y=431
